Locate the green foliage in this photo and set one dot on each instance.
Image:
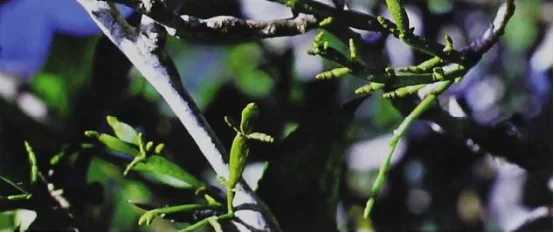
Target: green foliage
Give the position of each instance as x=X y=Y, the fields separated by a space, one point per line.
x=240 y=150
x=306 y=171
x=310 y=158
x=63 y=75
x=445 y=67
x=440 y=6
x=123 y=131
x=153 y=167
x=399 y=15
x=32 y=163
x=522 y=31
x=23 y=222
x=255 y=83
x=161 y=170
x=114 y=143
x=50 y=87
x=156 y=168
x=243 y=61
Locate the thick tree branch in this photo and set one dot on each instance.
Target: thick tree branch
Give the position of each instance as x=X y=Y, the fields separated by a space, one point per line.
x=143 y=46
x=235 y=29
x=220 y=28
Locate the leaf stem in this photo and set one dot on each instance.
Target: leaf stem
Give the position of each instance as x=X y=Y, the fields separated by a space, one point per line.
x=425 y=104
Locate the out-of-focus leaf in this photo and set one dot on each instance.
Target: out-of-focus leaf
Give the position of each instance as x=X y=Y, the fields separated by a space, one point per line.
x=521 y=32
x=123 y=131
x=63 y=76
x=296 y=95
x=139 y=86
x=203 y=69
x=207 y=92
x=159 y=169
x=243 y=61
x=440 y=6
x=57 y=158
x=6 y=221
x=142 y=205
x=244 y=57
x=289 y=128
x=124 y=216
x=385 y=114
x=306 y=172
x=51 y=88
x=255 y=83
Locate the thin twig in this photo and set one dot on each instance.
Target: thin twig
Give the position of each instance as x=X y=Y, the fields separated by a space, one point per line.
x=495 y=30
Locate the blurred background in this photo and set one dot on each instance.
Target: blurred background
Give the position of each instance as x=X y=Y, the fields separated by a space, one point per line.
x=60 y=77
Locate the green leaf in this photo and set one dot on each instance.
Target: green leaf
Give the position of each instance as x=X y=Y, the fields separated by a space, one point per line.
x=399 y=16
x=521 y=31
x=62 y=76
x=440 y=6
x=249 y=116
x=255 y=83
x=139 y=86
x=114 y=143
x=123 y=131
x=237 y=160
x=52 y=89
x=244 y=57
x=32 y=162
x=386 y=115
x=56 y=158
x=161 y=170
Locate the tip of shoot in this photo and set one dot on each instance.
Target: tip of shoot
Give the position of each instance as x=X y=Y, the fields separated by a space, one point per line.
x=27 y=145
x=91 y=133
x=159 y=148
x=111 y=119
x=251 y=106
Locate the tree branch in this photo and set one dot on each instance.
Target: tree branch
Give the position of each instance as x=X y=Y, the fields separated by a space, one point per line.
x=351 y=18
x=495 y=30
x=220 y=28
x=503 y=138
x=143 y=46
x=235 y=29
